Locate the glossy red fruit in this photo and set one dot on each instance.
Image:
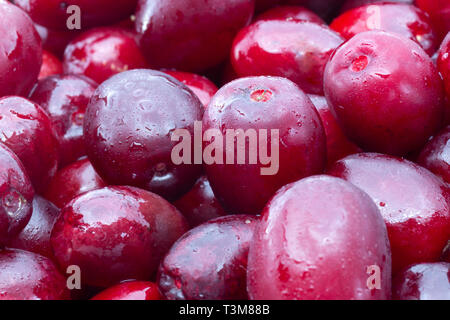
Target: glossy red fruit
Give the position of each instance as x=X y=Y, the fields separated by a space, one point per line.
x=72 y=181
x=288 y=141
x=102 y=52
x=209 y=262
x=443 y=63
x=50 y=65
x=135 y=148
x=351 y=4
x=130 y=290
x=65 y=98
x=324 y=8
x=57 y=14
x=203 y=88
x=16 y=195
x=426 y=281
x=290 y=13
x=385 y=91
x=436 y=155
x=439 y=12
x=414 y=204
x=297 y=50
x=318 y=239
x=115 y=234
x=56 y=41
x=29 y=276
x=338 y=145
x=35 y=237
x=190 y=35
x=27 y=130
x=403 y=19
x=200 y=205
x=21 y=58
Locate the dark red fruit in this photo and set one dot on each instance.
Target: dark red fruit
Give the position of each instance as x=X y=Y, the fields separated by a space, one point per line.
x=385 y=91
x=436 y=155
x=262 y=5
x=102 y=52
x=426 y=281
x=203 y=88
x=439 y=12
x=297 y=50
x=16 y=195
x=338 y=145
x=21 y=58
x=72 y=181
x=319 y=238
x=324 y=8
x=290 y=13
x=65 y=98
x=56 y=41
x=200 y=205
x=190 y=35
x=285 y=127
x=403 y=19
x=443 y=63
x=128 y=130
x=130 y=290
x=35 y=237
x=29 y=276
x=50 y=65
x=55 y=13
x=351 y=4
x=115 y=234
x=414 y=204
x=209 y=262
x=27 y=130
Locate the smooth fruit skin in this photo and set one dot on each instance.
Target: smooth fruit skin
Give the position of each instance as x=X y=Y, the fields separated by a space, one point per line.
x=425 y=281
x=263 y=103
x=28 y=131
x=21 y=60
x=436 y=155
x=200 y=204
x=29 y=276
x=128 y=129
x=351 y=4
x=190 y=35
x=103 y=52
x=385 y=92
x=413 y=202
x=443 y=64
x=203 y=88
x=130 y=290
x=403 y=19
x=290 y=13
x=338 y=145
x=316 y=240
x=16 y=195
x=115 y=234
x=65 y=99
x=55 y=14
x=72 y=181
x=209 y=262
x=297 y=50
x=50 y=65
x=56 y=41
x=324 y=8
x=35 y=237
x=439 y=12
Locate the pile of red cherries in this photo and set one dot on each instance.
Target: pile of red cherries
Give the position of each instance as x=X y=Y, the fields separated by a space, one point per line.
x=358 y=91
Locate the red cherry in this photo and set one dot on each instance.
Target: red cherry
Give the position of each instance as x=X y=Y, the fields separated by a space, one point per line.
x=324 y=8
x=443 y=63
x=103 y=52
x=72 y=181
x=414 y=204
x=290 y=13
x=130 y=290
x=56 y=41
x=317 y=239
x=50 y=65
x=439 y=12
x=351 y=4
x=209 y=262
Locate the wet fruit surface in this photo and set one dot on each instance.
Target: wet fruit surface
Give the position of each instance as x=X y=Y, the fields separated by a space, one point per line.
x=290 y=13
x=426 y=281
x=135 y=148
x=439 y=12
x=414 y=204
x=130 y=290
x=287 y=131
x=297 y=50
x=293 y=254
x=115 y=234
x=65 y=98
x=443 y=63
x=351 y=4
x=29 y=276
x=209 y=262
x=50 y=65
x=385 y=91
